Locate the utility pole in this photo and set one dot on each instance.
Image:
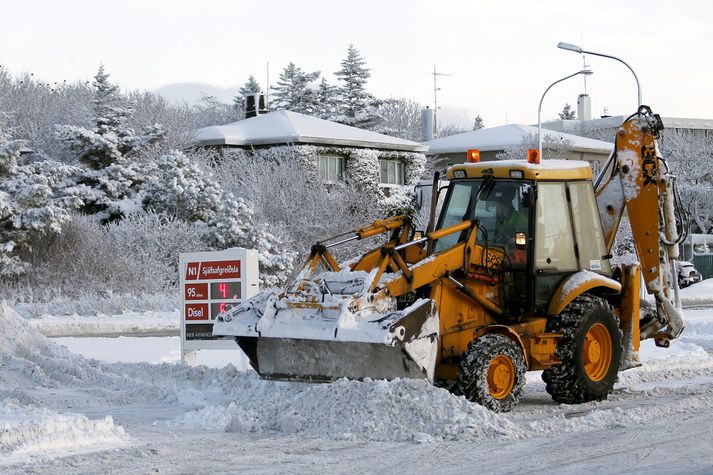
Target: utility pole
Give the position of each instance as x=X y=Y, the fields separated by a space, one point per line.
x=435 y=99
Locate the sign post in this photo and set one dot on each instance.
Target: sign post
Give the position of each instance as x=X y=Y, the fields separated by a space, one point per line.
x=210 y=283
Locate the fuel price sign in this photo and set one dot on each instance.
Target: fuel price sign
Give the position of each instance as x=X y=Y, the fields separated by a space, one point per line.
x=211 y=283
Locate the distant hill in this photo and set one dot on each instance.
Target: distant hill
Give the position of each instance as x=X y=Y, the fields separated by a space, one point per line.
x=193 y=92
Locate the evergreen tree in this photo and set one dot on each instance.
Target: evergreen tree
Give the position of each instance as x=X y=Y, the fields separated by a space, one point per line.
x=567 y=113
x=354 y=74
x=109 y=178
x=250 y=87
x=292 y=91
x=326 y=99
x=112 y=141
x=35 y=200
x=478 y=124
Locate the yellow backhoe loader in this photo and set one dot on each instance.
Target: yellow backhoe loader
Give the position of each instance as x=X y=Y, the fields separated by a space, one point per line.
x=513 y=275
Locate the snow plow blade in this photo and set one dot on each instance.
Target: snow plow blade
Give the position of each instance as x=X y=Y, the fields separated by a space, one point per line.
x=296 y=340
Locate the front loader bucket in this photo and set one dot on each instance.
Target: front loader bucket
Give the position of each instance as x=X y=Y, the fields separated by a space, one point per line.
x=324 y=342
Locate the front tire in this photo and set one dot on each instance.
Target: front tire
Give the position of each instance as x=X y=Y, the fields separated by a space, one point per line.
x=590 y=350
x=492 y=372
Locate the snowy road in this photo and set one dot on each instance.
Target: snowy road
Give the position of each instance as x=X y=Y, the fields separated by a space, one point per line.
x=170 y=418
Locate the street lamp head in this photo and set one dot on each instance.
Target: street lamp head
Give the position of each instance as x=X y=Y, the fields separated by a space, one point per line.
x=586 y=72
x=569 y=47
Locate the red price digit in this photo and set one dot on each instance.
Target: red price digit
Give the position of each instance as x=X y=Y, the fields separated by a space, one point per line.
x=223 y=289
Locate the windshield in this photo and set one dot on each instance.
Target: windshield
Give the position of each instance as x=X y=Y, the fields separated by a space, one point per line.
x=496 y=204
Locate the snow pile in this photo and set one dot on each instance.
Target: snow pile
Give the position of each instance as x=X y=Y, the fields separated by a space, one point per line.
x=29 y=360
x=133 y=323
x=698 y=294
x=29 y=433
x=400 y=410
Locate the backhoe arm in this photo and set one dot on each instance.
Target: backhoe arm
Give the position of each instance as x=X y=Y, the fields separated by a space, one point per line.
x=636 y=178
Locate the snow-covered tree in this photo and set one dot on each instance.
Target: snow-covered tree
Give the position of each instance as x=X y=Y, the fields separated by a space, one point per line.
x=33 y=202
x=354 y=75
x=294 y=91
x=400 y=118
x=478 y=123
x=690 y=157
x=325 y=99
x=106 y=151
x=234 y=225
x=567 y=113
x=177 y=187
x=450 y=129
x=552 y=147
x=111 y=141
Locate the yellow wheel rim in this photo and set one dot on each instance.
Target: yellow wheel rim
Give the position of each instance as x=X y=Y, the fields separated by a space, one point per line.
x=501 y=376
x=597 y=352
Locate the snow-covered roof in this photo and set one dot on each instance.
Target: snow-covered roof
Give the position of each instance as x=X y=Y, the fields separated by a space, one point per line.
x=286 y=127
x=511 y=135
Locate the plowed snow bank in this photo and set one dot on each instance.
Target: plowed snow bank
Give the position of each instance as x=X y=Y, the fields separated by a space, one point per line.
x=30 y=433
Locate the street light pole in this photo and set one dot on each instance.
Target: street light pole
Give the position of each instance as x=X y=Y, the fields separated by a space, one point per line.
x=578 y=49
x=586 y=72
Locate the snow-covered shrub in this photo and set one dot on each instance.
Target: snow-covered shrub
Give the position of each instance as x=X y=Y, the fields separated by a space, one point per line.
x=175 y=186
x=178 y=187
x=136 y=255
x=34 y=202
x=152 y=242
x=282 y=185
x=289 y=196
x=234 y=225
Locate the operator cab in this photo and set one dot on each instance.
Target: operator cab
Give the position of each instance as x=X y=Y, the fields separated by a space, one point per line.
x=544 y=218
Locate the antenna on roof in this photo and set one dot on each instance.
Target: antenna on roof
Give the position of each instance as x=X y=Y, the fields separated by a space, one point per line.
x=435 y=99
x=267 y=90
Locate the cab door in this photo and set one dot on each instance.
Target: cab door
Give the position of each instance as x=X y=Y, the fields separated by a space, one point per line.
x=555 y=254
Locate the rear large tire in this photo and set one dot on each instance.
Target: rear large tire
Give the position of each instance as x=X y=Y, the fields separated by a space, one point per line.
x=590 y=350
x=492 y=373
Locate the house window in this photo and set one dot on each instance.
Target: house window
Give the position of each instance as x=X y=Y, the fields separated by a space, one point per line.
x=331 y=168
x=392 y=172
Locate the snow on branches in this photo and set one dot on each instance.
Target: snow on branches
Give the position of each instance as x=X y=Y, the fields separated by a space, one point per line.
x=35 y=199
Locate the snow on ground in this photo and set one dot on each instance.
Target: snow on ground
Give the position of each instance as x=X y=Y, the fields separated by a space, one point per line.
x=698 y=294
x=131 y=323
x=31 y=433
x=55 y=404
x=165 y=349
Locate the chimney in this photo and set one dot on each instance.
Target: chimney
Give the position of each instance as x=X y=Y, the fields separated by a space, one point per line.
x=584 y=107
x=426 y=124
x=254 y=105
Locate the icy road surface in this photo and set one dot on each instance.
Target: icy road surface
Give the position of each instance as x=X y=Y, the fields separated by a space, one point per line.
x=62 y=413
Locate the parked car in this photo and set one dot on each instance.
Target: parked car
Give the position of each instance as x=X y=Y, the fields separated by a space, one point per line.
x=687 y=274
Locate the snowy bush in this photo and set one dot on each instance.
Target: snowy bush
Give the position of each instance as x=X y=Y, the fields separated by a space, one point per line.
x=279 y=182
x=136 y=255
x=34 y=202
x=178 y=187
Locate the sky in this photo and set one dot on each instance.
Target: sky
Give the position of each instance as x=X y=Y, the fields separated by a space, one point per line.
x=501 y=55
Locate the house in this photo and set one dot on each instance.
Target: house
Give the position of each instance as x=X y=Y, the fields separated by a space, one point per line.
x=491 y=141
x=339 y=152
x=609 y=124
